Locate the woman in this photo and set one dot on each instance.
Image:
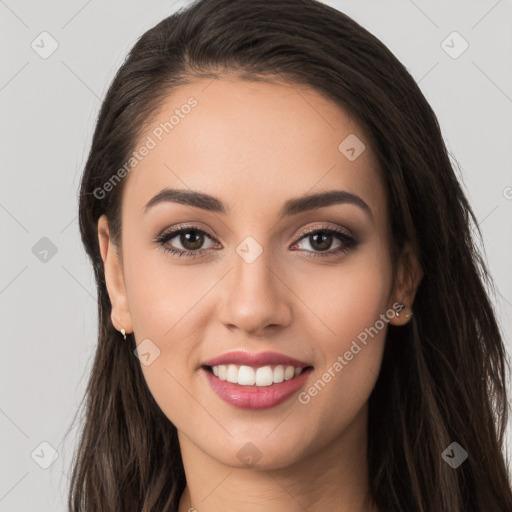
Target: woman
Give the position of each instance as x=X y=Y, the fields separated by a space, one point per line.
x=292 y=310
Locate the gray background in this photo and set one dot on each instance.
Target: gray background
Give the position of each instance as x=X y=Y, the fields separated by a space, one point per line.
x=48 y=309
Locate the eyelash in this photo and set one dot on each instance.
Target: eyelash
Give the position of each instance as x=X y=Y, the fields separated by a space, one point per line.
x=348 y=241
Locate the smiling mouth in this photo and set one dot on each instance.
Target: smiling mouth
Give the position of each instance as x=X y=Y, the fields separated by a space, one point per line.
x=262 y=376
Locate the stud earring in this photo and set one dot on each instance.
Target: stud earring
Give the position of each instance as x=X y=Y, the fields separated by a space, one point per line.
x=123 y=332
x=407 y=315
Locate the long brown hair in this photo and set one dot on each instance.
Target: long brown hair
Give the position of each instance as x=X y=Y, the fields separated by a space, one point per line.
x=443 y=374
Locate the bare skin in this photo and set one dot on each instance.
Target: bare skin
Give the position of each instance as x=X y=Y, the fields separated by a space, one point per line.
x=253 y=146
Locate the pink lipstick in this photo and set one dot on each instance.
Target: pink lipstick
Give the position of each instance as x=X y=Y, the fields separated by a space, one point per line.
x=255 y=381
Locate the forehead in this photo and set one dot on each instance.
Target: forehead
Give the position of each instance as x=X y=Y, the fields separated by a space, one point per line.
x=252 y=143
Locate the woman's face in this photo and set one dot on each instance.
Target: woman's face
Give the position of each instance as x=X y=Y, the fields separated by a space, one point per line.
x=259 y=283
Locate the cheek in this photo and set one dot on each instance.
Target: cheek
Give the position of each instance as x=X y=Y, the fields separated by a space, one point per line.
x=352 y=302
x=167 y=307
x=162 y=294
x=348 y=297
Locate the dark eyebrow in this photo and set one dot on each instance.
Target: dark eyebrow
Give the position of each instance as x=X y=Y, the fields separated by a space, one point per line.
x=290 y=207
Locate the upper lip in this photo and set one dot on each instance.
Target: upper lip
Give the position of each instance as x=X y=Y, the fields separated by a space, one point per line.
x=259 y=359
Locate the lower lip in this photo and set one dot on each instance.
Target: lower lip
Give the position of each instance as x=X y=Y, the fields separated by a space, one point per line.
x=255 y=397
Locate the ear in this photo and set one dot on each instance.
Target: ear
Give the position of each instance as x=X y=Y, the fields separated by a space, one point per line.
x=114 y=278
x=408 y=278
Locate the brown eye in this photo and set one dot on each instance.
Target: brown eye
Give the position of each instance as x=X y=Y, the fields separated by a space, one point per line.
x=320 y=241
x=190 y=239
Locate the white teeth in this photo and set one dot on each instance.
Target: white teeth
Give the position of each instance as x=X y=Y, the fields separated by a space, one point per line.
x=248 y=376
x=264 y=376
x=289 y=373
x=278 y=374
x=232 y=374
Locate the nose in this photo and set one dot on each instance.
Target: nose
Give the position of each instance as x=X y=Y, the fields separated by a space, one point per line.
x=256 y=299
